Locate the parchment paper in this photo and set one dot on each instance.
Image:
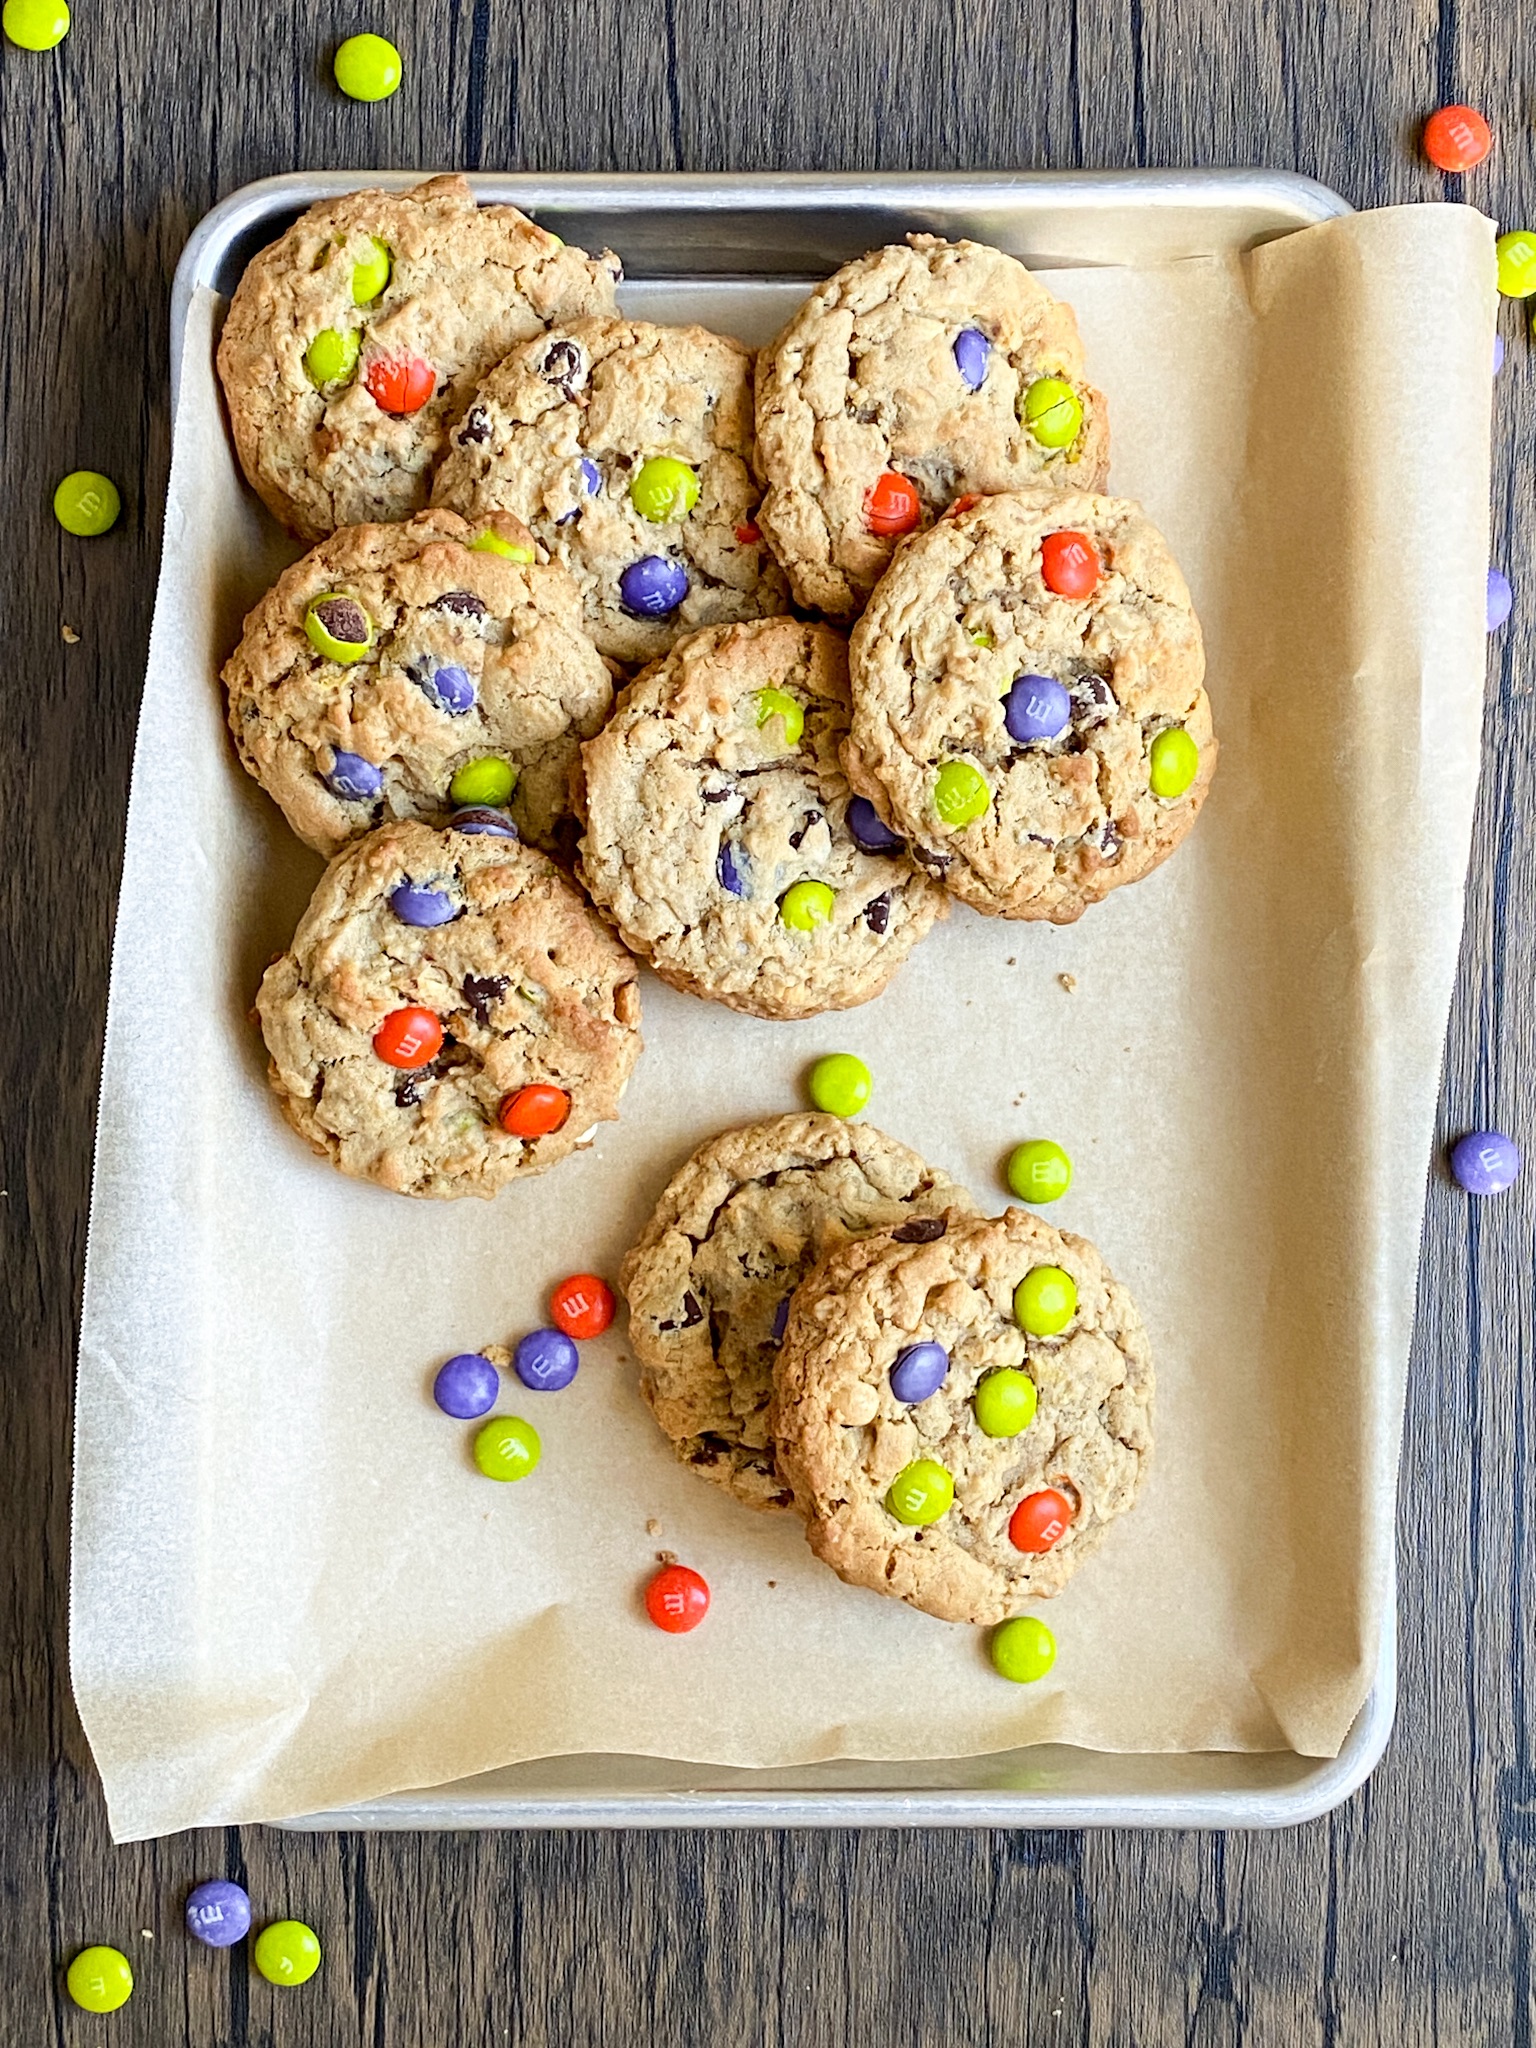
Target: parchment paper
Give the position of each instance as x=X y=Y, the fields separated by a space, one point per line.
x=291 y=1589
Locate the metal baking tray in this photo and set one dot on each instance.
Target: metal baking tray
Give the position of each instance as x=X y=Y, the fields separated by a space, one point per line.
x=754 y=241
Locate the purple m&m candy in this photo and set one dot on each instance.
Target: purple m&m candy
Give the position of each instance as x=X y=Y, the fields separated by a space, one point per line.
x=218 y=1913
x=545 y=1360
x=353 y=779
x=1037 y=708
x=480 y=820
x=467 y=1386
x=781 y=1320
x=422 y=907
x=870 y=832
x=1485 y=1162
x=653 y=586
x=447 y=688
x=591 y=475
x=972 y=351
x=1498 y=353
x=1500 y=599
x=919 y=1371
x=731 y=869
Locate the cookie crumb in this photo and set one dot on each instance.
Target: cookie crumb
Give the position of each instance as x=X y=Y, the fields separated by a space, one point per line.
x=69 y=636
x=666 y=1557
x=653 y=1527
x=773 y=1582
x=1012 y=960
x=148 y=1933
x=1068 y=982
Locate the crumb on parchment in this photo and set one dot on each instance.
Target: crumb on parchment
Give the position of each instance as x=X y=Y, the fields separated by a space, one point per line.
x=653 y=1527
x=666 y=1557
x=1068 y=982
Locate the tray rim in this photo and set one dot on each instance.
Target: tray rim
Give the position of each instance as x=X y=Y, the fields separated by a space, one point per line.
x=1291 y=201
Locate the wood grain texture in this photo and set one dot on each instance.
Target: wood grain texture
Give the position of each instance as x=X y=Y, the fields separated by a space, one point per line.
x=1402 y=1919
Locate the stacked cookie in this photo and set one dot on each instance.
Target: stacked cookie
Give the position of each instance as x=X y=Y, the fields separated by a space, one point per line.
x=958 y=1406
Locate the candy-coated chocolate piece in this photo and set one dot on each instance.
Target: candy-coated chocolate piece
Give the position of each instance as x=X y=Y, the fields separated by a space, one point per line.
x=1516 y=257
x=1173 y=763
x=1500 y=600
x=35 y=24
x=331 y=357
x=869 y=830
x=466 y=1386
x=507 y=1447
x=486 y=781
x=960 y=793
x=1022 y=1649
x=892 y=505
x=353 y=779
x=677 y=1599
x=805 y=905
x=920 y=1493
x=480 y=821
x=1485 y=1162
x=534 y=1111
x=287 y=1952
x=972 y=353
x=368 y=68
x=653 y=587
x=1045 y=1301
x=218 y=1913
x=424 y=908
x=664 y=490
x=1053 y=412
x=1005 y=1402
x=779 y=704
x=919 y=1371
x=399 y=385
x=1069 y=564
x=1037 y=708
x=591 y=476
x=409 y=1037
x=841 y=1084
x=1456 y=138
x=489 y=543
x=749 y=533
x=1040 y=1521
x=338 y=627
x=1039 y=1171
x=780 y=1320
x=731 y=869
x=87 y=504
x=370 y=277
x=100 y=1979
x=446 y=688
x=582 y=1306
x=545 y=1360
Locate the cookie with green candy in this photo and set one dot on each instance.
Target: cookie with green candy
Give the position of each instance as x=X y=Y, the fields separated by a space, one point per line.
x=353 y=343
x=407 y=670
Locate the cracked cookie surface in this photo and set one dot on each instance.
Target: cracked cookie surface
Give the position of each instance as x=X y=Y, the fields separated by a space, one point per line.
x=353 y=342
x=961 y=623
x=709 y=1280
x=916 y=359
x=528 y=985
x=716 y=790
x=844 y=1437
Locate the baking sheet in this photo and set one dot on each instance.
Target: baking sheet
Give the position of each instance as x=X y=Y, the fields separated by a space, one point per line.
x=292 y=1591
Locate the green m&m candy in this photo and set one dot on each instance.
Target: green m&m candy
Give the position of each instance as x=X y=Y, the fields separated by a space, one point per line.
x=804 y=905
x=489 y=543
x=982 y=640
x=841 y=1084
x=331 y=357
x=86 y=503
x=1023 y=1649
x=35 y=24
x=1053 y=412
x=664 y=489
x=779 y=704
x=1174 y=762
x=920 y=1493
x=100 y=1979
x=368 y=68
x=488 y=780
x=960 y=794
x=1045 y=1301
x=506 y=1447
x=287 y=1952
x=338 y=627
x=1005 y=1402
x=1516 y=255
x=1039 y=1171
x=371 y=275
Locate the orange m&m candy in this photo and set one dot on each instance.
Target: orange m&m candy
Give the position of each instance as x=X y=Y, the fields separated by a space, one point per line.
x=534 y=1111
x=582 y=1306
x=964 y=504
x=893 y=505
x=1040 y=1520
x=408 y=1038
x=1069 y=564
x=677 y=1599
x=400 y=384
x=1457 y=138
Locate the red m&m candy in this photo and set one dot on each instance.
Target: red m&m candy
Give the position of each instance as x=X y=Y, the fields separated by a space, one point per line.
x=1457 y=138
x=1069 y=564
x=893 y=506
x=582 y=1306
x=534 y=1111
x=1040 y=1520
x=400 y=384
x=677 y=1599
x=408 y=1038
x=749 y=533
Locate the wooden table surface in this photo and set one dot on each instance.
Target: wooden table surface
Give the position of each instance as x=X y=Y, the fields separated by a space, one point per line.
x=1402 y=1918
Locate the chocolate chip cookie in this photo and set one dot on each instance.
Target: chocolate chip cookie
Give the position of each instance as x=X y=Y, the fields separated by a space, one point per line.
x=627 y=448
x=353 y=342
x=722 y=837
x=941 y=1452
x=1028 y=701
x=709 y=1281
x=393 y=659
x=451 y=1013
x=911 y=377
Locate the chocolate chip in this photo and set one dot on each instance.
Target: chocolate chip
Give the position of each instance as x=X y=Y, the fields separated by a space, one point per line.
x=921 y=1230
x=344 y=619
x=564 y=365
x=718 y=793
x=797 y=837
x=476 y=427
x=1107 y=840
x=408 y=1086
x=1092 y=699
x=935 y=863
x=482 y=992
x=692 y=1313
x=877 y=913
x=462 y=602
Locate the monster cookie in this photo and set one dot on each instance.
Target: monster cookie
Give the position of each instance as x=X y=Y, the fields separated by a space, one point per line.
x=720 y=836
x=352 y=344
x=1028 y=707
x=451 y=1013
x=915 y=375
x=709 y=1281
x=628 y=450
x=396 y=670
x=962 y=1418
